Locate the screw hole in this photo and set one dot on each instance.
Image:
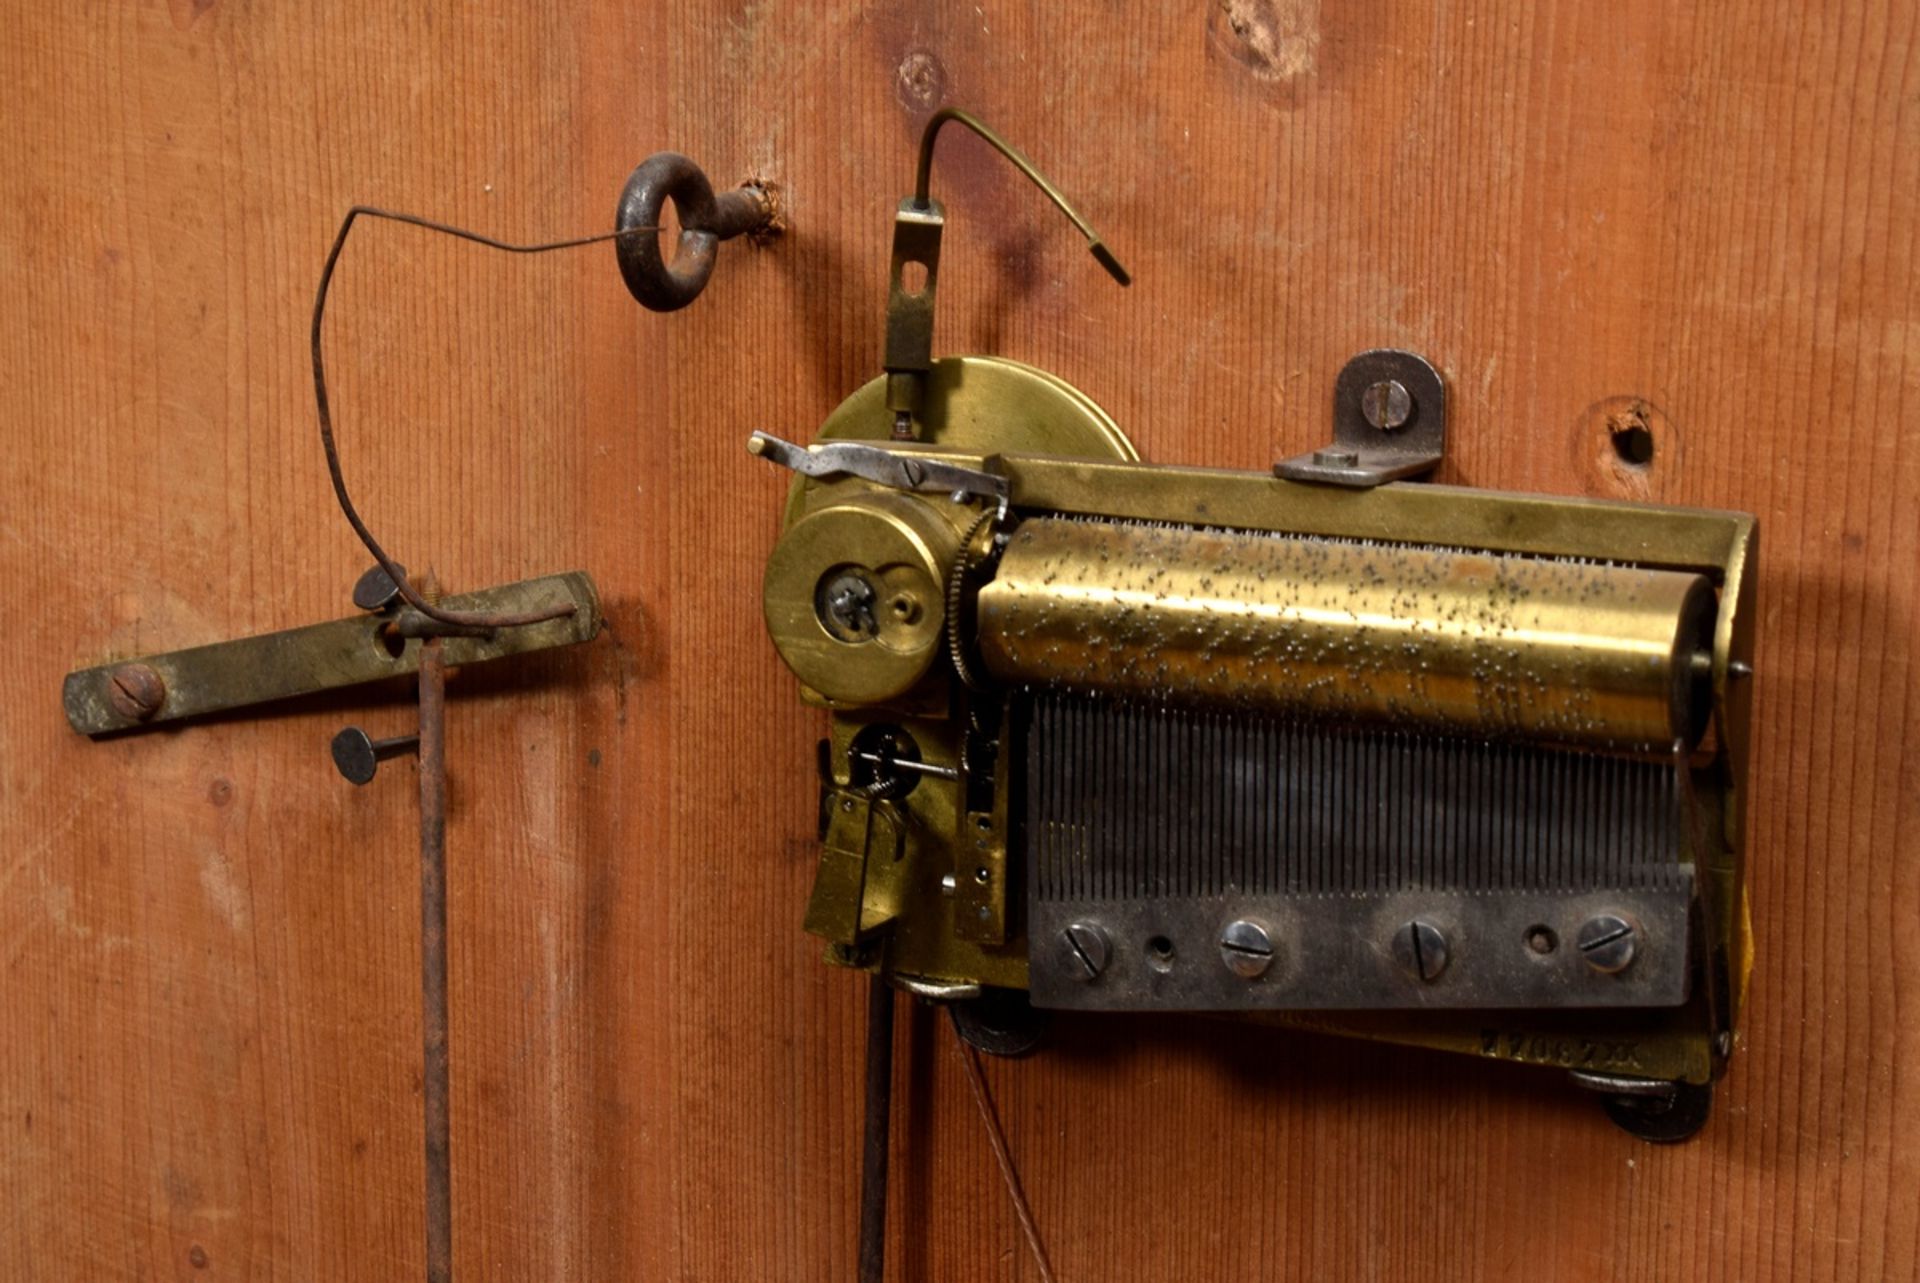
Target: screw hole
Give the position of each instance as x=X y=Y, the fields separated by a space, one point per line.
x=389 y=640
x=1633 y=442
x=982 y=875
x=1160 y=954
x=913 y=278
x=1542 y=940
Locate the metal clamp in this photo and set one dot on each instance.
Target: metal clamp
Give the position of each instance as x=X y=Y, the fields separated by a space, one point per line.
x=705 y=221
x=1389 y=422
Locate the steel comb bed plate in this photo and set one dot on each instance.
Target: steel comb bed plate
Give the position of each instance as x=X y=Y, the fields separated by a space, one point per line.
x=1182 y=858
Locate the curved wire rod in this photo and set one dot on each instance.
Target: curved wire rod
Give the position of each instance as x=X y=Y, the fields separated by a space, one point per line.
x=923 y=177
x=998 y=1139
x=412 y=595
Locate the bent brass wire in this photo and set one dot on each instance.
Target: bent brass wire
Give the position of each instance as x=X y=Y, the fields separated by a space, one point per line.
x=923 y=179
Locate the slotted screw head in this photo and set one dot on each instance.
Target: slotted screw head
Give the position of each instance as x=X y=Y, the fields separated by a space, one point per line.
x=1246 y=948
x=1608 y=942
x=1386 y=405
x=1087 y=950
x=1421 y=948
x=136 y=691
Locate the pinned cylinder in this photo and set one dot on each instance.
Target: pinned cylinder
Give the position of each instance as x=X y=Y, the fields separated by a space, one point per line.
x=1435 y=639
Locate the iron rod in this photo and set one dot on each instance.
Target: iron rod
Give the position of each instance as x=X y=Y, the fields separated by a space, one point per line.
x=433 y=959
x=874 y=1143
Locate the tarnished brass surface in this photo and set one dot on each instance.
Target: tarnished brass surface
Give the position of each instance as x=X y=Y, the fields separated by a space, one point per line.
x=888 y=910
x=1669 y=1045
x=887 y=545
x=862 y=833
x=346 y=652
x=898 y=884
x=909 y=344
x=1065 y=458
x=968 y=406
x=981 y=405
x=1592 y=655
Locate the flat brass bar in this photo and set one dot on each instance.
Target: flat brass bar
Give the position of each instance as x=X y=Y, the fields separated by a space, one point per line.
x=1455 y=516
x=301 y=661
x=433 y=958
x=1670 y=1045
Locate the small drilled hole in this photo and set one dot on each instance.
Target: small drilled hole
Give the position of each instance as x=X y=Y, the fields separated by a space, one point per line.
x=982 y=875
x=1160 y=953
x=1633 y=442
x=389 y=640
x=1542 y=940
x=913 y=277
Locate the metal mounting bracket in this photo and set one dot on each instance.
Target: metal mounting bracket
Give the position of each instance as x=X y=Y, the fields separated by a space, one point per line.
x=1389 y=422
x=381 y=644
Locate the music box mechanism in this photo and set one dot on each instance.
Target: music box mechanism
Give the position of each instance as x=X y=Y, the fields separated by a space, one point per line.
x=1330 y=746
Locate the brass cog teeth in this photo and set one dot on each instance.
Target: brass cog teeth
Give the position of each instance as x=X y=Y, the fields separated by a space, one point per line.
x=963 y=562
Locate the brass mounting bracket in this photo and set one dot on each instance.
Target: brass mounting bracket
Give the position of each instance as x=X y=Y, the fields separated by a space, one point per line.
x=364 y=648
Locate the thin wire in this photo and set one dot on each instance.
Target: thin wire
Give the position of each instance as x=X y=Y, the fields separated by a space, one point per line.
x=923 y=181
x=455 y=618
x=976 y=1080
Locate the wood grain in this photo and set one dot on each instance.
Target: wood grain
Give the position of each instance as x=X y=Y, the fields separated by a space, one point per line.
x=1700 y=214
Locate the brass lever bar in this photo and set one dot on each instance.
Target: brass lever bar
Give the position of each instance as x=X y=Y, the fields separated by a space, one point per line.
x=301 y=661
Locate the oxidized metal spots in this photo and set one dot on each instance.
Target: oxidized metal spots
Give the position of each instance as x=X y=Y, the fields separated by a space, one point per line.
x=1431 y=638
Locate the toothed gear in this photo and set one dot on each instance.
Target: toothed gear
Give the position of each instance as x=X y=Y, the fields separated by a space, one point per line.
x=963 y=563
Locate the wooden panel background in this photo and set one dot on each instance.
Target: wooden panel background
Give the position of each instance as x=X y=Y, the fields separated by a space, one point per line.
x=209 y=996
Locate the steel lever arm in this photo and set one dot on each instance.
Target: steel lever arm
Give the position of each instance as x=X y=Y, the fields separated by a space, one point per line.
x=893 y=468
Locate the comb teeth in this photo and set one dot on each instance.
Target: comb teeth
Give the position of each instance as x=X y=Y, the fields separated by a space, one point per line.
x=1135 y=802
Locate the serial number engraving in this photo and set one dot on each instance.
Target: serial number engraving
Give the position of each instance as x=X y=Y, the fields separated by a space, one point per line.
x=1558 y=1049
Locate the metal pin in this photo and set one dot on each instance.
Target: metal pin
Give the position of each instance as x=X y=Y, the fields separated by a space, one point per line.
x=913 y=766
x=357 y=755
x=376 y=590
